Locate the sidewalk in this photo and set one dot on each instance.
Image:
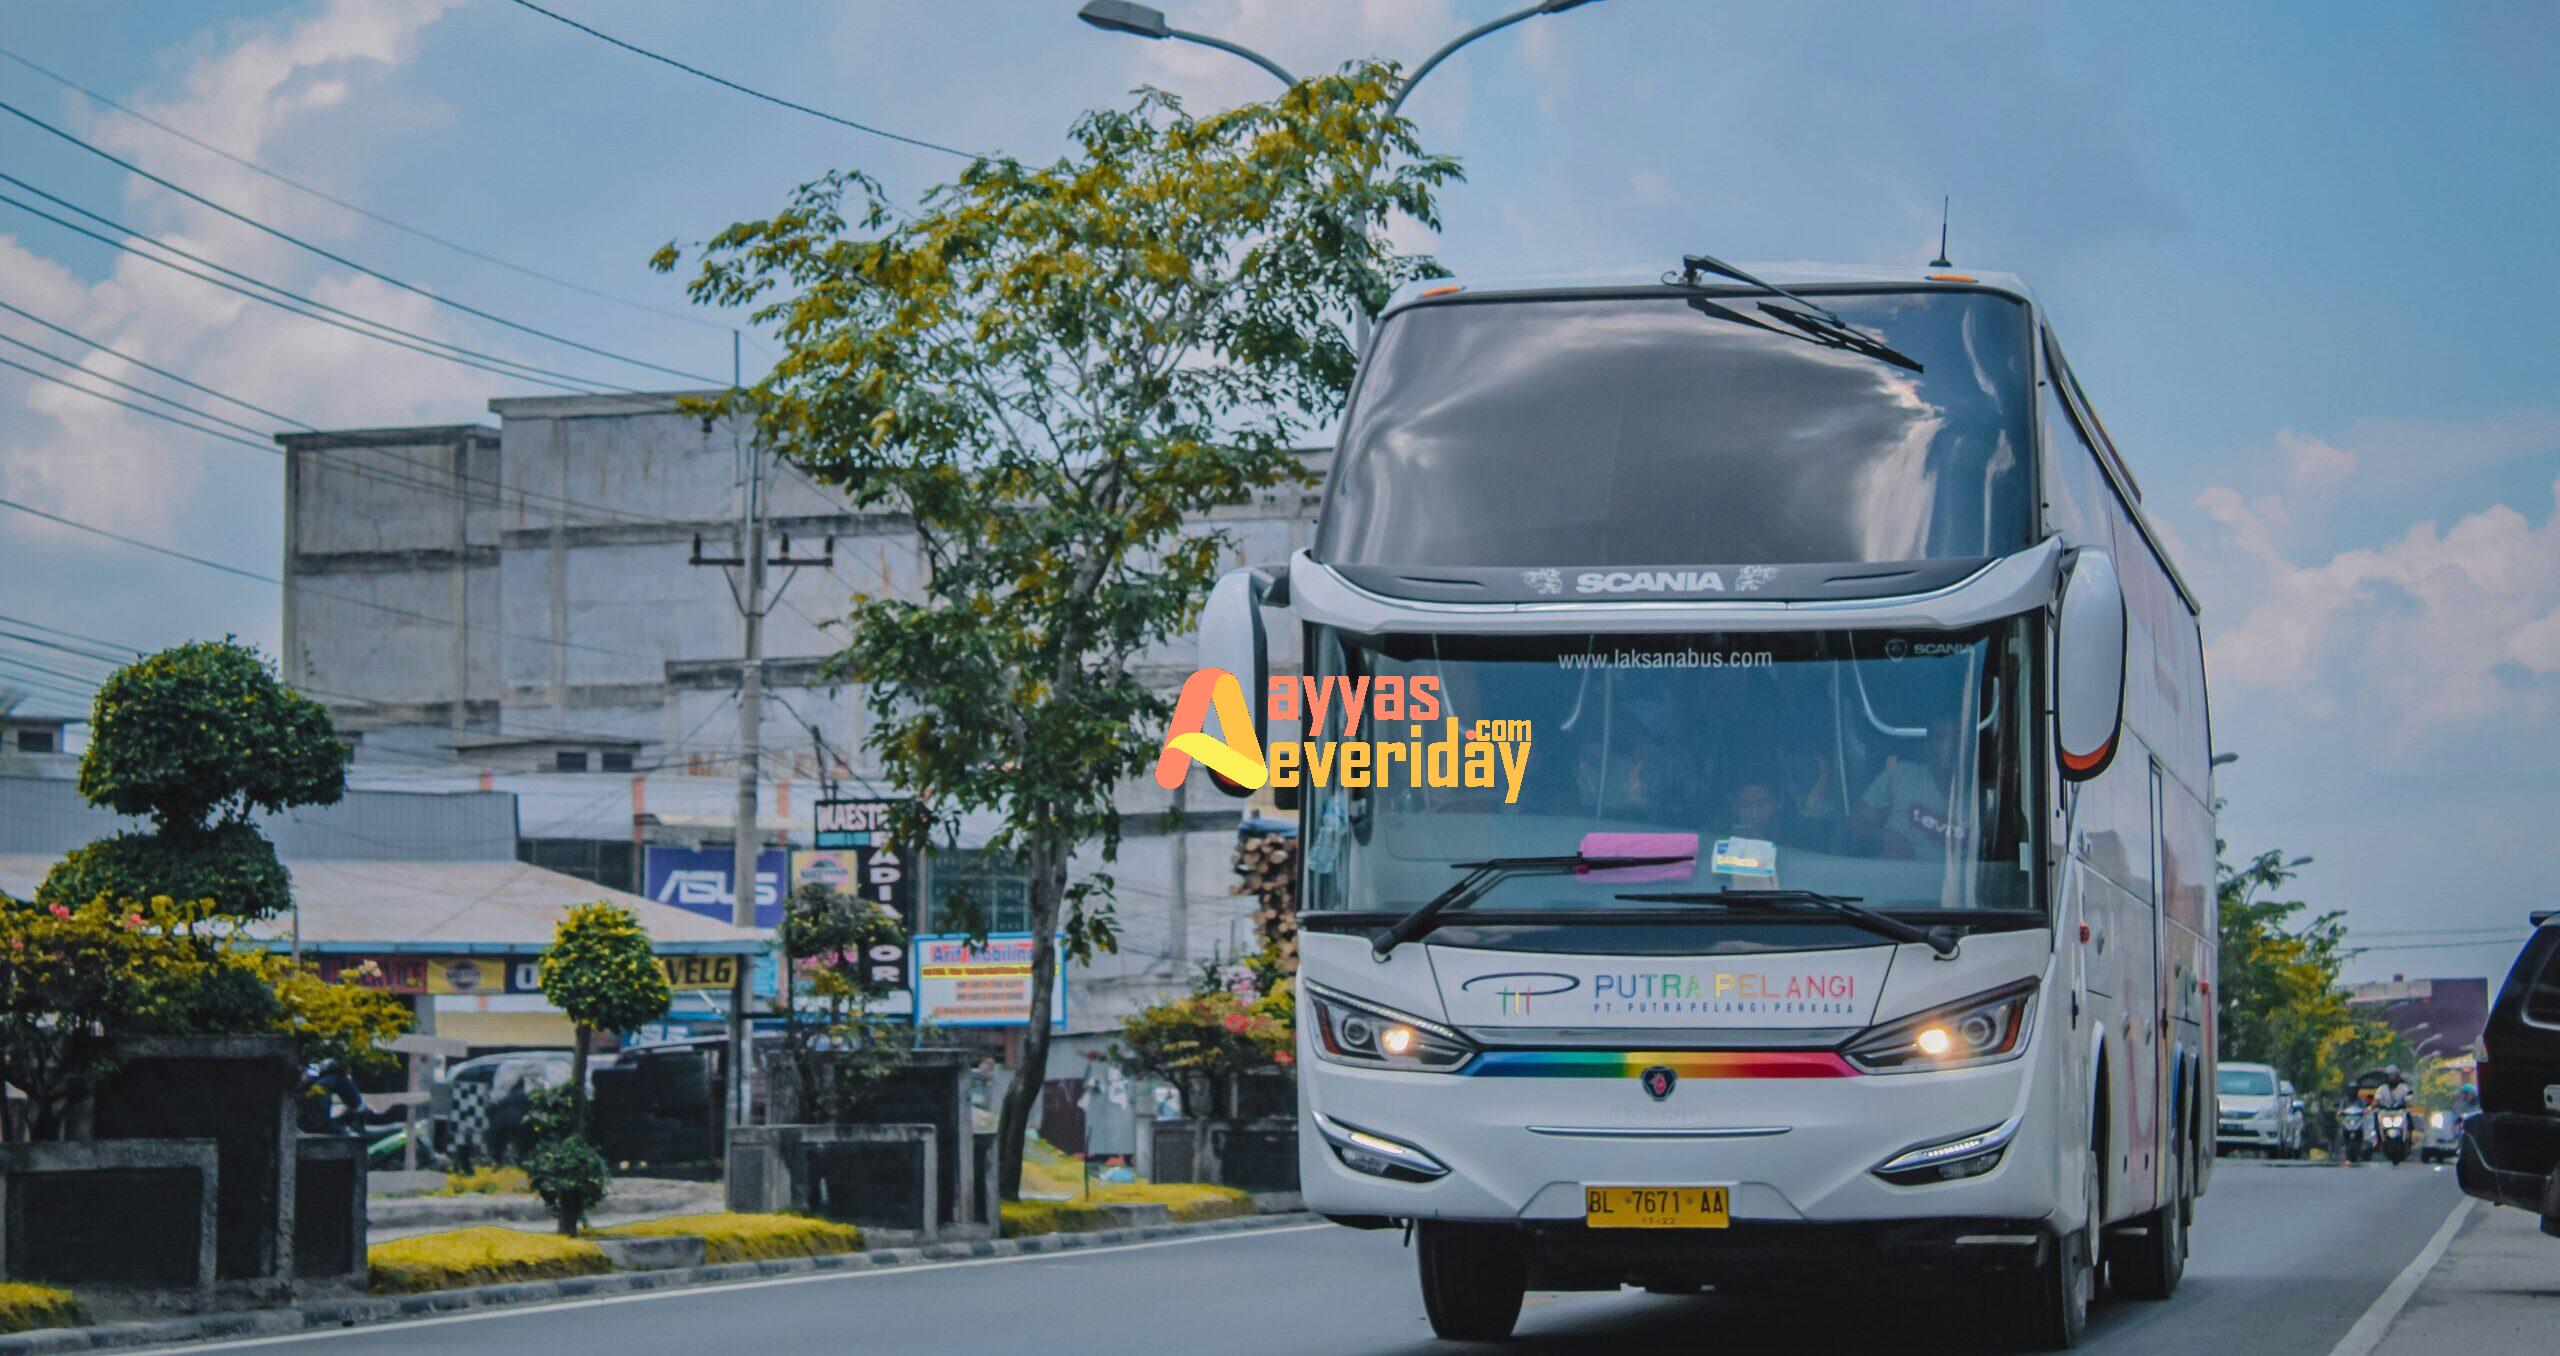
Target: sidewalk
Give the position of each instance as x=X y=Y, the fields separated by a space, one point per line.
x=2496 y=1289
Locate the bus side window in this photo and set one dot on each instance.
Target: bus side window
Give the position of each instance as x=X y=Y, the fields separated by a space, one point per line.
x=2076 y=491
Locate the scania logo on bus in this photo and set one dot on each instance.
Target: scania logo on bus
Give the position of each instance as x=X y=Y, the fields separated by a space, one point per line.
x=1517 y=987
x=1658 y=1081
x=1649 y=581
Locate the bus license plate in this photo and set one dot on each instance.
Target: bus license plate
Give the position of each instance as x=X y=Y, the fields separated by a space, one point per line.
x=1619 y=1207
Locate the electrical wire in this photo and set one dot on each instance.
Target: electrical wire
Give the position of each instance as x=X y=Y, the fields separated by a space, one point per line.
x=470 y=357
x=234 y=438
x=696 y=71
x=27 y=315
x=358 y=209
x=307 y=591
x=339 y=259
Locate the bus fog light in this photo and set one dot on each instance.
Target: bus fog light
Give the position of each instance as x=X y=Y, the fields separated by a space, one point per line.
x=1367 y=1151
x=1949 y=1160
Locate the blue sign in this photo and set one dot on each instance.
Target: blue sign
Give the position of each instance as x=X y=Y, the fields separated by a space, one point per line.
x=697 y=881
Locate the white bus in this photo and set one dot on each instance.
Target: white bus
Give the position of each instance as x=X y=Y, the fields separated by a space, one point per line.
x=1851 y=915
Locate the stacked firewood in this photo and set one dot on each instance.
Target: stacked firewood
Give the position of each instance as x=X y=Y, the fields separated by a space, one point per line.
x=1267 y=869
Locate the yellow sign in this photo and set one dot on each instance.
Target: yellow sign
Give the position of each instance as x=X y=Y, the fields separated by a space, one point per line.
x=1656 y=1207
x=699 y=972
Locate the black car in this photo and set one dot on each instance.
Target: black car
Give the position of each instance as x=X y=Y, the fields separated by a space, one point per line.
x=2510 y=1150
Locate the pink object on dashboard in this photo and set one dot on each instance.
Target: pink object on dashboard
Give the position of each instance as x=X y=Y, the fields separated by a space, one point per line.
x=1641 y=845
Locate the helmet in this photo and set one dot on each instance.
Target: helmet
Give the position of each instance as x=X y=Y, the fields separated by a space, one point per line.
x=2470 y=1090
x=2391 y=1073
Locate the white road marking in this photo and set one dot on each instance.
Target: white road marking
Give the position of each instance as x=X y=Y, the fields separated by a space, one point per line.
x=681 y=1292
x=2367 y=1334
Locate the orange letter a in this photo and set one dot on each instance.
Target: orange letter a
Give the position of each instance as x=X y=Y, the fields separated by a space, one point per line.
x=1237 y=757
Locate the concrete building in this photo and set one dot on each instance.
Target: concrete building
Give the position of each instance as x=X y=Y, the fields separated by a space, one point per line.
x=2442 y=1018
x=514 y=607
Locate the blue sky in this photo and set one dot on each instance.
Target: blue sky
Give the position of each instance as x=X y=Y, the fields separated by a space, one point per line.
x=2297 y=252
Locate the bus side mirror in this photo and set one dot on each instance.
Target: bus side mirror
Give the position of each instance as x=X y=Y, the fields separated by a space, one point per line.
x=2088 y=679
x=1231 y=638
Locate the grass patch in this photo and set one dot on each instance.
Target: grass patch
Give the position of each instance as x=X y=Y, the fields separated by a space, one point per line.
x=486 y=1255
x=485 y=1182
x=730 y=1237
x=25 y=1308
x=1184 y=1202
x=1022 y=1219
x=1187 y=1202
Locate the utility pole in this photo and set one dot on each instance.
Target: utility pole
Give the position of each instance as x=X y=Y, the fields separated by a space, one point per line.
x=747 y=588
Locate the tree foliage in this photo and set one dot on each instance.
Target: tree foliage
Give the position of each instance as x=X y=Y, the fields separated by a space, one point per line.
x=2281 y=1003
x=74 y=980
x=204 y=730
x=838 y=1051
x=602 y=971
x=229 y=864
x=1051 y=370
x=565 y=1168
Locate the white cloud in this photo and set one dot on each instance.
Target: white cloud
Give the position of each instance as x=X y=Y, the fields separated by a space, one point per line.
x=254 y=83
x=1650 y=187
x=2432 y=630
x=2310 y=463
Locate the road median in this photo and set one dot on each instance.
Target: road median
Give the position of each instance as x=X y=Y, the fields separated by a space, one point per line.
x=366 y=1310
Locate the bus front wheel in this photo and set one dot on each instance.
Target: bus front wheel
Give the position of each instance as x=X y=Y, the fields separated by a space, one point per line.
x=1473 y=1279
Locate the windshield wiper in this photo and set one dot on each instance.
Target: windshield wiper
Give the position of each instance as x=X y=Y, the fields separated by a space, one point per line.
x=1824 y=326
x=1480 y=879
x=1845 y=907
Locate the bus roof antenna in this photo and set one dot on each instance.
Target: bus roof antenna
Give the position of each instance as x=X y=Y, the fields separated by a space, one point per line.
x=1942 y=261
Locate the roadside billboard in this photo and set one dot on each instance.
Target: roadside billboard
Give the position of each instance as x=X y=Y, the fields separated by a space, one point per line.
x=697 y=880
x=960 y=985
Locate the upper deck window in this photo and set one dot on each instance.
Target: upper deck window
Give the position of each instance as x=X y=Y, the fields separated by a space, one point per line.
x=1638 y=430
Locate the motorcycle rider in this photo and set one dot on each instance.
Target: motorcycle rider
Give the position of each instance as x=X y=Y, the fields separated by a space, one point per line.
x=2393 y=1091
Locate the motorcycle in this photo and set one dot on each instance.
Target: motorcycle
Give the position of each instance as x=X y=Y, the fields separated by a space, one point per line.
x=2391 y=1130
x=2355 y=1143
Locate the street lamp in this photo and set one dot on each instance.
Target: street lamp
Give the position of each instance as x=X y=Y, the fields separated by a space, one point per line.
x=1145 y=21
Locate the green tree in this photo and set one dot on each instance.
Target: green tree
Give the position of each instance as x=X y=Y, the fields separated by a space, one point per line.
x=1049 y=370
x=196 y=739
x=837 y=1052
x=602 y=971
x=2281 y=1002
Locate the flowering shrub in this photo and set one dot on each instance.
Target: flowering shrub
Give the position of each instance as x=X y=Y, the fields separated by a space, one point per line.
x=1241 y=1016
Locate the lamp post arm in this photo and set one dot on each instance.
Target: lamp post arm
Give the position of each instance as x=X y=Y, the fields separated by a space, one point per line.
x=1237 y=49
x=1490 y=26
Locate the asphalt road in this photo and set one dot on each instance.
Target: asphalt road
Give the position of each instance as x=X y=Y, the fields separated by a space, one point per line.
x=2285 y=1260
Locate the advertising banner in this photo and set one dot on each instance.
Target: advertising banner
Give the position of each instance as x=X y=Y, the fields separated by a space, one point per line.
x=843 y=870
x=697 y=880
x=960 y=985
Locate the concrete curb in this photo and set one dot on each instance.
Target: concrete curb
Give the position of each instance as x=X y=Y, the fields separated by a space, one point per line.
x=364 y=1310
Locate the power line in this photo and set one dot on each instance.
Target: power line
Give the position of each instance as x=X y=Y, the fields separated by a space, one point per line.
x=725 y=82
x=77 y=338
x=137 y=390
x=250 y=443
x=367 y=213
x=343 y=261
x=471 y=358
x=305 y=590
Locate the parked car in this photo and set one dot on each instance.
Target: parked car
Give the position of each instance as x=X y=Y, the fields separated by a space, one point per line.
x=2440 y=1136
x=2256 y=1110
x=2509 y=1151
x=480 y=1110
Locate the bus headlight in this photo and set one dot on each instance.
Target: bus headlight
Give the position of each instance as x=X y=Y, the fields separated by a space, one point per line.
x=1356 y=1031
x=1983 y=1029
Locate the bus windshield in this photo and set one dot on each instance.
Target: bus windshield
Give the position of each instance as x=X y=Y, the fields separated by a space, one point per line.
x=1638 y=430
x=1888 y=766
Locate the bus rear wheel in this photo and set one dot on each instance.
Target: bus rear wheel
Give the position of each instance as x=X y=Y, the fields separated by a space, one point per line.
x=2147 y=1265
x=1473 y=1279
